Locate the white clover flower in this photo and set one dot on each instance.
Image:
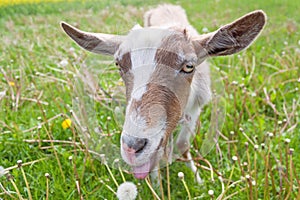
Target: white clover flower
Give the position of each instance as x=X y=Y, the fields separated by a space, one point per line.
x=127 y=191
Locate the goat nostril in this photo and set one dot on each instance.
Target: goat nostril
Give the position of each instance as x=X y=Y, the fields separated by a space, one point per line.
x=134 y=143
x=141 y=145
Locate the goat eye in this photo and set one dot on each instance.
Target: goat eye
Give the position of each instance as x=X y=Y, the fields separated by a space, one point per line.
x=188 y=68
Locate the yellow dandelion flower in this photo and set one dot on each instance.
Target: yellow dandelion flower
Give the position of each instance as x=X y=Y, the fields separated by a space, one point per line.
x=11 y=83
x=66 y=124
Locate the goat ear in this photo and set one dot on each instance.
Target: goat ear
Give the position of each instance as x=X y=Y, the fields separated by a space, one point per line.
x=95 y=42
x=232 y=38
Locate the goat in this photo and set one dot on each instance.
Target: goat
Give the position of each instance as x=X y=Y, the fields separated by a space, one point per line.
x=166 y=77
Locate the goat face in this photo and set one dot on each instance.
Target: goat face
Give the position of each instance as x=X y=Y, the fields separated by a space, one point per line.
x=157 y=66
x=157 y=69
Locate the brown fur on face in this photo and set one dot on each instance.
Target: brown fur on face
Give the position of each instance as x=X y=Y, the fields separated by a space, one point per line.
x=162 y=96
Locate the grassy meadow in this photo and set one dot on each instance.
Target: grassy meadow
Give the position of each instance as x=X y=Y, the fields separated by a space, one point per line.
x=256 y=156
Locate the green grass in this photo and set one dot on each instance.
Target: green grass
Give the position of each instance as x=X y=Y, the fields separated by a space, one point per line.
x=264 y=100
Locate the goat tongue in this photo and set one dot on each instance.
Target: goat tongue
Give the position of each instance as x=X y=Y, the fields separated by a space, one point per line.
x=142 y=171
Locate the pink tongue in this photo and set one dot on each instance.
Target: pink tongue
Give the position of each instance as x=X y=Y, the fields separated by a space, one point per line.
x=142 y=171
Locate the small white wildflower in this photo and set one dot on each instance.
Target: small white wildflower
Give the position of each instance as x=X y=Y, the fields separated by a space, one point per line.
x=241 y=129
x=234 y=83
x=127 y=191
x=270 y=134
x=291 y=151
x=253 y=182
x=283 y=53
x=285 y=43
x=210 y=192
x=63 y=63
x=234 y=158
x=253 y=94
x=47 y=175
x=256 y=146
x=70 y=158
x=245 y=163
x=287 y=140
x=262 y=145
x=299 y=42
x=247 y=176
x=279 y=122
x=39 y=126
x=231 y=132
x=181 y=175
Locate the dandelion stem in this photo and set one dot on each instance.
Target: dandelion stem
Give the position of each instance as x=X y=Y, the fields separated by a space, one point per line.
x=16 y=188
x=26 y=182
x=231 y=195
x=6 y=192
x=291 y=178
x=111 y=174
x=186 y=188
x=47 y=188
x=122 y=175
x=168 y=182
x=160 y=185
x=152 y=190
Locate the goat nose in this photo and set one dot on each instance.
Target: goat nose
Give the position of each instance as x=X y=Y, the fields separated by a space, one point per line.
x=134 y=144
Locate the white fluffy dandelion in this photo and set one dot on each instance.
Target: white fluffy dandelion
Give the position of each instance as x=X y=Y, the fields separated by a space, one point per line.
x=127 y=191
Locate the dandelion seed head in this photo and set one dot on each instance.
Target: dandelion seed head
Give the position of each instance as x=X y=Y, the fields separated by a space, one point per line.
x=127 y=191
x=19 y=162
x=181 y=175
x=234 y=158
x=287 y=140
x=270 y=134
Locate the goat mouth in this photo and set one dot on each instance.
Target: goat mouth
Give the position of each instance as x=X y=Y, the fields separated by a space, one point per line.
x=142 y=171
